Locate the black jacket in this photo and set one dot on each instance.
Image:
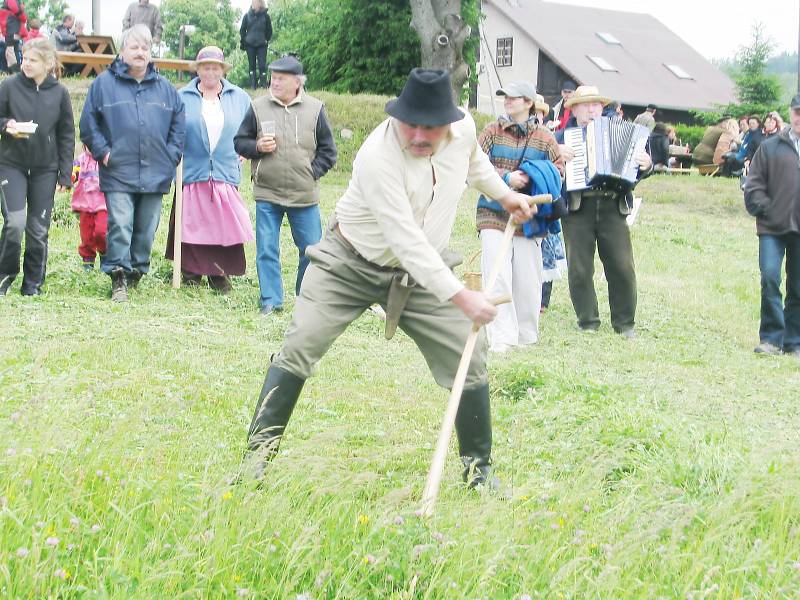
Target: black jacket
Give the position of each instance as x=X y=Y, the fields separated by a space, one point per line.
x=256 y=29
x=52 y=147
x=772 y=191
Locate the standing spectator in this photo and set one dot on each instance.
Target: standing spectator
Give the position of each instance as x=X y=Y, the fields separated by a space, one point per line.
x=647 y=118
x=287 y=136
x=596 y=222
x=133 y=124
x=512 y=139
x=658 y=142
x=772 y=195
x=256 y=32
x=89 y=202
x=33 y=163
x=216 y=223
x=65 y=35
x=34 y=30
x=144 y=13
x=561 y=112
x=14 y=17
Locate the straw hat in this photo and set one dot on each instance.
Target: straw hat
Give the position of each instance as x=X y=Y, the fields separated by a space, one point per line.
x=210 y=54
x=586 y=93
x=539 y=105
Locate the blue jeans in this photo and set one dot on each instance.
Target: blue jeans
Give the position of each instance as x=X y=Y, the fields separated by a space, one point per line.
x=306 y=231
x=132 y=223
x=780 y=323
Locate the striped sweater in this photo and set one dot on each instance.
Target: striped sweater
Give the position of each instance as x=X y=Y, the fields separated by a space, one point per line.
x=508 y=143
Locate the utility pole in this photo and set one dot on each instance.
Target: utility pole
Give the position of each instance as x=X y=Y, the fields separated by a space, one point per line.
x=96 y=17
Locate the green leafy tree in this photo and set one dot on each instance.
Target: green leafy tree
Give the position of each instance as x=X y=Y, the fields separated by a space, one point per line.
x=348 y=45
x=49 y=12
x=215 y=22
x=752 y=83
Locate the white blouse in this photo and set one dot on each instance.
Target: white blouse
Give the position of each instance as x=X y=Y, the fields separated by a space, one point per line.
x=214 y=119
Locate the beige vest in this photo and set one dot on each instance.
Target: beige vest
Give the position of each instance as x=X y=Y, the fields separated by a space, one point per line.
x=284 y=177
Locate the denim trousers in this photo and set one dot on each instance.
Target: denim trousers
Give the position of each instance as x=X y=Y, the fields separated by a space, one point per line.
x=780 y=322
x=306 y=227
x=132 y=223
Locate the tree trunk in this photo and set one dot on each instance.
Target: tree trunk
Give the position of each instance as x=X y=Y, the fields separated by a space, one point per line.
x=442 y=34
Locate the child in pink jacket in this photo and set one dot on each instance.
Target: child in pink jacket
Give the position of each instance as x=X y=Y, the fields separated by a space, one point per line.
x=90 y=204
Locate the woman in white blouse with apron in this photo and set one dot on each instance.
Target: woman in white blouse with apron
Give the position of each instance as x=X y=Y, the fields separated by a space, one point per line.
x=215 y=220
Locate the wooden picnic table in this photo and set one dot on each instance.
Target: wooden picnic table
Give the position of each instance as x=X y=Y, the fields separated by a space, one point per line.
x=97 y=62
x=95 y=44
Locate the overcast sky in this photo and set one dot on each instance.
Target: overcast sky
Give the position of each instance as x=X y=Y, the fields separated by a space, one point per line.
x=715 y=28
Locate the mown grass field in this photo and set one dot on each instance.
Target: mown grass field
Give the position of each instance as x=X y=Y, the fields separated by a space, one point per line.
x=666 y=467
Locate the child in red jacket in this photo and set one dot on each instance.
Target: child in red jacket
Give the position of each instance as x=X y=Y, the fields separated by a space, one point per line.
x=34 y=26
x=90 y=204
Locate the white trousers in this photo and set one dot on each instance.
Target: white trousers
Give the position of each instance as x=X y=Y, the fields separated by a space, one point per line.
x=521 y=275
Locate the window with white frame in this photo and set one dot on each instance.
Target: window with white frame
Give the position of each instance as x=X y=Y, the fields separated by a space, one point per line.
x=608 y=38
x=678 y=72
x=601 y=63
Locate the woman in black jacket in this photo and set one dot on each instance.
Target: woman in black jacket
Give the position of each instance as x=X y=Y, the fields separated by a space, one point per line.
x=256 y=32
x=32 y=163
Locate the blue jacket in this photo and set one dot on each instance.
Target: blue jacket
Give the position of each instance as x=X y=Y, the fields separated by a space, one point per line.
x=199 y=164
x=140 y=124
x=544 y=179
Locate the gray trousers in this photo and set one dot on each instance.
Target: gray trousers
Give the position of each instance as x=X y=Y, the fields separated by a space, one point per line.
x=339 y=285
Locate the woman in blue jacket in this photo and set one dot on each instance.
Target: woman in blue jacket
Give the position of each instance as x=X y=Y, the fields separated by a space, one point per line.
x=215 y=221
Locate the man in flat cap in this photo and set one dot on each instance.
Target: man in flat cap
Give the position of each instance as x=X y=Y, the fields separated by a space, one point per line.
x=287 y=136
x=387 y=244
x=771 y=196
x=561 y=112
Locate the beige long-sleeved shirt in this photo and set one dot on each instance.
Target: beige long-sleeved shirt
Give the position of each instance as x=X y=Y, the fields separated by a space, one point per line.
x=146 y=14
x=399 y=210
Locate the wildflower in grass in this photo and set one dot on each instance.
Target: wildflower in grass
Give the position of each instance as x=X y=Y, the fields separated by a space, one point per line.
x=11 y=452
x=439 y=537
x=96 y=528
x=586 y=508
x=52 y=541
x=99 y=472
x=273 y=548
x=15 y=416
x=40 y=524
x=363 y=519
x=22 y=552
x=524 y=498
x=227 y=495
x=796 y=565
x=370 y=559
x=398 y=520
x=27 y=483
x=242 y=592
x=303 y=596
x=525 y=597
x=62 y=574
x=75 y=522
x=555 y=526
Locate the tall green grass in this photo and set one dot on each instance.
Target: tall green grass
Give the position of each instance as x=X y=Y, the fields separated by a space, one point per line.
x=666 y=467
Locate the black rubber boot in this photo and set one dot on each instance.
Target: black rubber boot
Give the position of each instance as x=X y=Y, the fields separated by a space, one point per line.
x=119 y=288
x=474 y=430
x=276 y=402
x=253 y=80
x=263 y=81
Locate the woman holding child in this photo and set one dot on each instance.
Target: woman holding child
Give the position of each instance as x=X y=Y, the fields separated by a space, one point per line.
x=32 y=162
x=216 y=223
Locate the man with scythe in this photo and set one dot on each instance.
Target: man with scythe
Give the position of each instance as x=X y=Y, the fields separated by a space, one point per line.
x=387 y=244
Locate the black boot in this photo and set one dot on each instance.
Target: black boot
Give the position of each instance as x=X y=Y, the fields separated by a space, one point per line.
x=132 y=278
x=263 y=81
x=474 y=430
x=278 y=397
x=253 y=80
x=119 y=288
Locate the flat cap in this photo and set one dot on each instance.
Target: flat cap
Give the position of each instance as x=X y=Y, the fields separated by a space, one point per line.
x=287 y=64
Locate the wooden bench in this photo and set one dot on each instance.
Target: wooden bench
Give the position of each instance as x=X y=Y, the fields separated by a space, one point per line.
x=98 y=62
x=95 y=44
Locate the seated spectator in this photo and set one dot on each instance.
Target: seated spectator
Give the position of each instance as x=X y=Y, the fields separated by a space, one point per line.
x=773 y=124
x=736 y=161
x=716 y=141
x=659 y=147
x=65 y=37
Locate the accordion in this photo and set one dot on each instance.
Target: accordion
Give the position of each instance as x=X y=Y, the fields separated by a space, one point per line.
x=605 y=158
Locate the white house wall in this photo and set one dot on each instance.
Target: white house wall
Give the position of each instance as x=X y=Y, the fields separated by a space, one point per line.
x=524 y=60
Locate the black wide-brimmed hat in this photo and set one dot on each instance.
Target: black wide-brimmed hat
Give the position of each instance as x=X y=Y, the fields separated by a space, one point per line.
x=426 y=99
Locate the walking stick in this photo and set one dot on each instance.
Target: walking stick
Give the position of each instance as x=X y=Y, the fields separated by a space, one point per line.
x=431 y=491
x=178 y=207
